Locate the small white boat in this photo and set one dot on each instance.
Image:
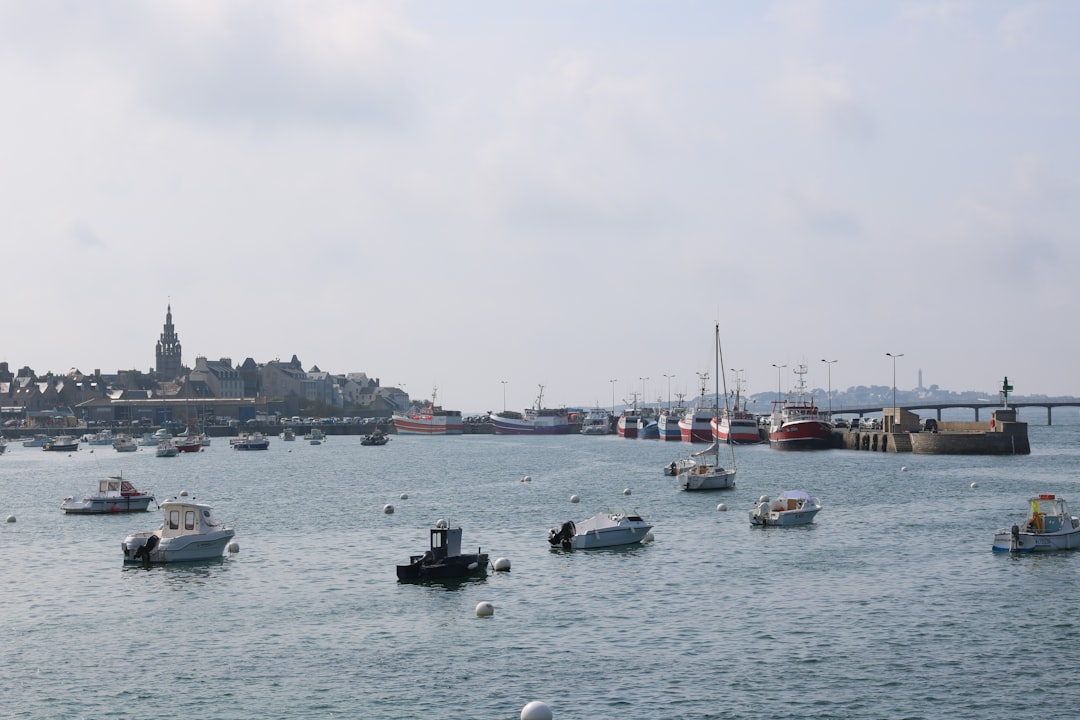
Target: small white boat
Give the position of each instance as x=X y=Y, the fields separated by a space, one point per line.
x=124 y=443
x=596 y=422
x=3 y=444
x=288 y=435
x=104 y=437
x=601 y=530
x=166 y=448
x=189 y=532
x=315 y=437
x=793 y=507
x=1050 y=526
x=114 y=495
x=147 y=440
x=36 y=441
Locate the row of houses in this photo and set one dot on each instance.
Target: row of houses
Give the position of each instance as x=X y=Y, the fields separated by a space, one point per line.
x=212 y=390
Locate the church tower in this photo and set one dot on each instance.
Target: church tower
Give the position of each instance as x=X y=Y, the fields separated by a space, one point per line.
x=168 y=351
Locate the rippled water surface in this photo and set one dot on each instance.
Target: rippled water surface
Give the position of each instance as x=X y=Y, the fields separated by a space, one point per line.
x=890 y=606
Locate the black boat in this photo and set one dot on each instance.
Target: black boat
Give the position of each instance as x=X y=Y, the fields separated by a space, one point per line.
x=378 y=437
x=444 y=561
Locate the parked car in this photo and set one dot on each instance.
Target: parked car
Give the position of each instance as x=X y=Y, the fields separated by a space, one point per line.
x=840 y=423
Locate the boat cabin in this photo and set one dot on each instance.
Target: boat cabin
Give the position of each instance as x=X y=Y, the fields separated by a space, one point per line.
x=1048 y=514
x=187 y=518
x=116 y=487
x=445 y=542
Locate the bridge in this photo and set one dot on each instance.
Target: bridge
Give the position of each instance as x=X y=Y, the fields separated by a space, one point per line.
x=938 y=407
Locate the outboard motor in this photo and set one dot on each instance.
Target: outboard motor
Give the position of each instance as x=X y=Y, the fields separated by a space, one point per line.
x=145 y=549
x=1016 y=535
x=563 y=535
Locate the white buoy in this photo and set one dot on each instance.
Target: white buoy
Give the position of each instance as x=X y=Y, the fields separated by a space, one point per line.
x=974 y=485
x=11 y=518
x=574 y=498
x=403 y=496
x=526 y=478
x=721 y=507
x=649 y=537
x=903 y=468
x=234 y=547
x=536 y=710
x=388 y=509
x=501 y=564
x=485 y=609
x=626 y=491
x=183 y=493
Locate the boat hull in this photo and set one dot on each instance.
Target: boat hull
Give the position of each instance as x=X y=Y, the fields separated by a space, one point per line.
x=736 y=432
x=451 y=568
x=627 y=427
x=1035 y=542
x=696 y=429
x=787 y=518
x=602 y=530
x=708 y=478
x=407 y=424
x=802 y=435
x=539 y=426
x=187 y=548
x=107 y=505
x=60 y=446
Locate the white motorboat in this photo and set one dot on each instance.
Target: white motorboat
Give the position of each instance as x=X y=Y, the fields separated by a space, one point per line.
x=189 y=532
x=114 y=495
x=147 y=440
x=793 y=507
x=61 y=443
x=124 y=443
x=36 y=441
x=167 y=448
x=103 y=437
x=1050 y=526
x=601 y=530
x=250 y=441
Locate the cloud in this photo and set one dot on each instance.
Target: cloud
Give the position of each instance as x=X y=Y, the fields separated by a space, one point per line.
x=823 y=97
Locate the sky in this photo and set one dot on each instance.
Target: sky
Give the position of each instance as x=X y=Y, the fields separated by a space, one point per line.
x=490 y=197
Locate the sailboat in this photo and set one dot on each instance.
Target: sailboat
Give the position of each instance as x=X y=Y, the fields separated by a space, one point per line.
x=702 y=470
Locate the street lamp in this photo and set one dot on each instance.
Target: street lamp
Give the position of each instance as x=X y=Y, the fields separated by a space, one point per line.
x=668 y=390
x=778 y=369
x=829 y=364
x=643 y=391
x=613 y=394
x=900 y=355
x=504 y=394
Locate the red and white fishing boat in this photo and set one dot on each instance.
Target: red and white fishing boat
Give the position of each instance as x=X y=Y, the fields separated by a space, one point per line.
x=430 y=419
x=627 y=425
x=668 y=424
x=796 y=422
x=694 y=425
x=736 y=425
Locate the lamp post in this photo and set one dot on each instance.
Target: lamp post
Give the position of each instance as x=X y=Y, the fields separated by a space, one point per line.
x=829 y=364
x=613 y=381
x=643 y=392
x=899 y=355
x=778 y=369
x=668 y=390
x=738 y=381
x=504 y=394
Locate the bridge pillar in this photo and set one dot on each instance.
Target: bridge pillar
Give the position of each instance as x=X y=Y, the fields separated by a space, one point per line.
x=939 y=415
x=976 y=414
x=1049 y=415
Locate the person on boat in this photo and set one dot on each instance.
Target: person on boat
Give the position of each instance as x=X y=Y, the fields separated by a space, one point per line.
x=1036 y=517
x=674 y=468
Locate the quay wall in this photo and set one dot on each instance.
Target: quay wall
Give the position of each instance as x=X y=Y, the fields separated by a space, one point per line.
x=1005 y=439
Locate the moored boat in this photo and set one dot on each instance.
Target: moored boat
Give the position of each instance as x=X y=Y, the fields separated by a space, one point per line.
x=114 y=495
x=375 y=437
x=1049 y=526
x=430 y=419
x=444 y=560
x=61 y=443
x=36 y=441
x=166 y=448
x=191 y=443
x=694 y=423
x=796 y=422
x=288 y=435
x=189 y=532
x=603 y=529
x=250 y=441
x=736 y=425
x=124 y=443
x=596 y=422
x=793 y=507
x=536 y=420
x=668 y=423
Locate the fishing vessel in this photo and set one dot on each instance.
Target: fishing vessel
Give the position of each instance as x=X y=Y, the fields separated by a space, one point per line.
x=596 y=422
x=694 y=425
x=536 y=420
x=431 y=419
x=736 y=425
x=796 y=422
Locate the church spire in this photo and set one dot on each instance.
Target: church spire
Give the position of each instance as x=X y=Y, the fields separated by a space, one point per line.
x=168 y=350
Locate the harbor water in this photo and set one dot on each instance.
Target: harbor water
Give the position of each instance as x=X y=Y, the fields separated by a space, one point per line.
x=891 y=605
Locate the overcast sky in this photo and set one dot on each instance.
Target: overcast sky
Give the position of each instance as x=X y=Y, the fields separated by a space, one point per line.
x=547 y=193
